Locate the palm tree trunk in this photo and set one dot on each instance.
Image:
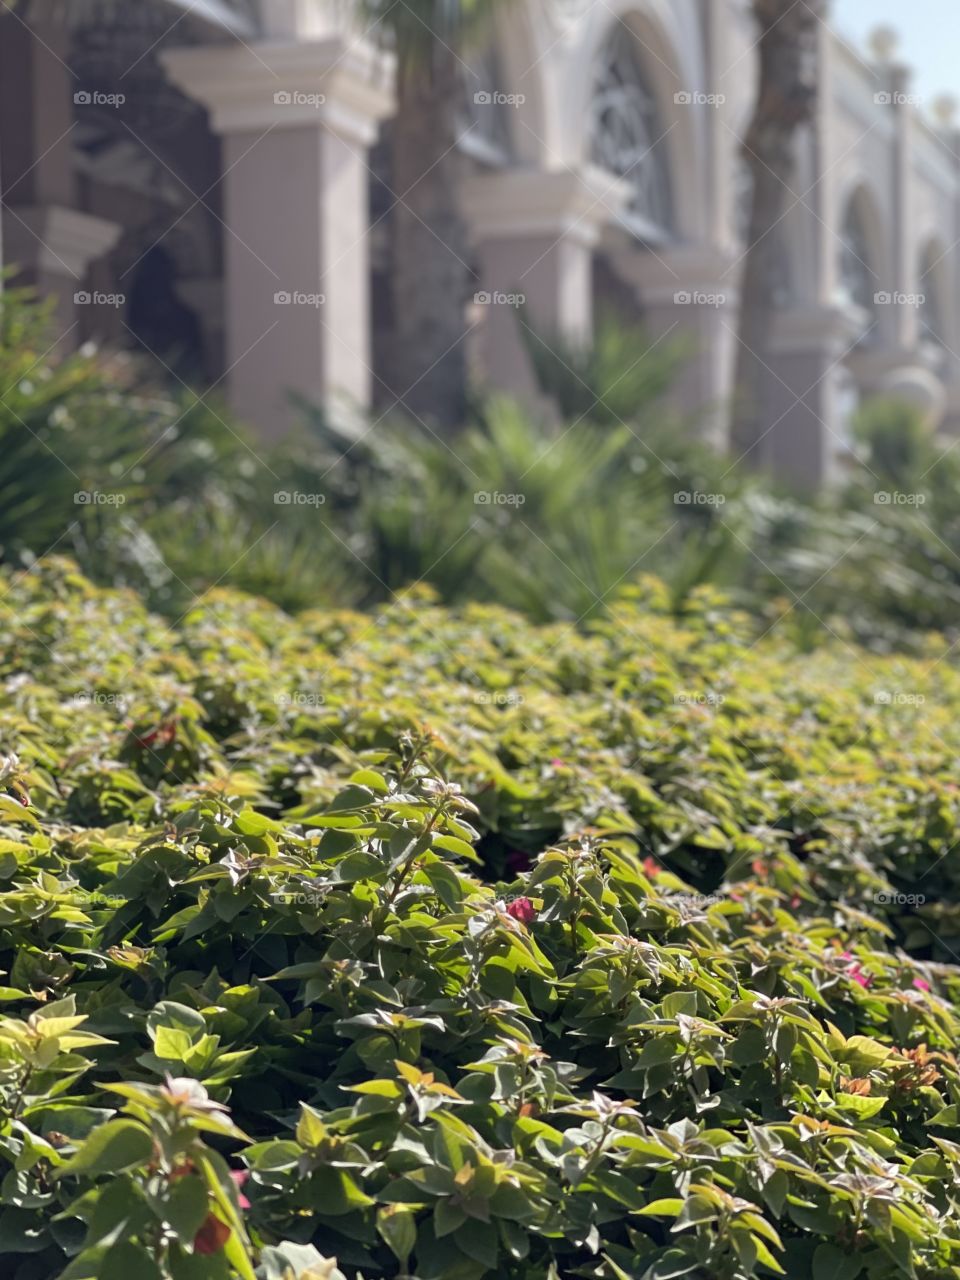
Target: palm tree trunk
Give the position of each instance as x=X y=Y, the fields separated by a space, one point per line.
x=430 y=269
x=786 y=96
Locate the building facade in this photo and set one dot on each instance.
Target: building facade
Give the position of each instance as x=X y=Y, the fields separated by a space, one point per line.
x=203 y=180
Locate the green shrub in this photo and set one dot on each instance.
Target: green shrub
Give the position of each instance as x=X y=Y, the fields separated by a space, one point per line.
x=449 y=946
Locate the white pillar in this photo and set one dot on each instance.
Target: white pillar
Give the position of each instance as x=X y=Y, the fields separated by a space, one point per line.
x=534 y=234
x=804 y=441
x=950 y=295
x=296 y=122
x=906 y=317
x=688 y=299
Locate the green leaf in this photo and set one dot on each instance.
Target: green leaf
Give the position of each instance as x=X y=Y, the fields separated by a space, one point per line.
x=118 y=1145
x=479 y=1240
x=397 y=1226
x=668 y=1208
x=453 y=844
x=117 y=1204
x=831 y=1263
x=125 y=1261
x=186 y=1207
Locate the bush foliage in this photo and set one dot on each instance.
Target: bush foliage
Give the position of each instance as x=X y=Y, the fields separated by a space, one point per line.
x=447 y=946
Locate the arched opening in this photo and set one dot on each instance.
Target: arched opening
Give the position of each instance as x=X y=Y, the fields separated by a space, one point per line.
x=859 y=267
x=627 y=136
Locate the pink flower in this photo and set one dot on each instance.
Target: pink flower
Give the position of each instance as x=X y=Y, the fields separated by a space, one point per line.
x=921 y=984
x=859 y=977
x=522 y=909
x=557 y=763
x=240 y=1177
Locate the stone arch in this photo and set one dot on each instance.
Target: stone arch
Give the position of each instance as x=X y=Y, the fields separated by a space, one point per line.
x=522 y=49
x=864 y=272
x=647 y=31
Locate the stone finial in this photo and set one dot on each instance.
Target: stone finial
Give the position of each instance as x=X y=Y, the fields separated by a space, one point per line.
x=883 y=43
x=944 y=108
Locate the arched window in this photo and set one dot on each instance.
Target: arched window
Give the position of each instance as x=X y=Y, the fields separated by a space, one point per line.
x=626 y=133
x=857 y=278
x=485 y=121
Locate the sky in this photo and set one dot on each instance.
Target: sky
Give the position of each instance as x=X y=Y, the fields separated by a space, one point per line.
x=929 y=37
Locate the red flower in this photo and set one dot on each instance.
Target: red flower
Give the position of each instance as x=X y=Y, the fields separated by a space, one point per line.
x=651 y=868
x=212 y=1236
x=240 y=1177
x=921 y=984
x=522 y=909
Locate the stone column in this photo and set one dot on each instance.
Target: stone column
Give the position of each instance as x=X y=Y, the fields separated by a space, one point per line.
x=688 y=299
x=947 y=110
x=825 y=170
x=808 y=376
x=296 y=121
x=534 y=234
x=904 y=326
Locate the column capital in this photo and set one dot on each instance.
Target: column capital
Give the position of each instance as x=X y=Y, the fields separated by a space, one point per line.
x=681 y=269
x=344 y=85
x=831 y=329
x=516 y=203
x=61 y=241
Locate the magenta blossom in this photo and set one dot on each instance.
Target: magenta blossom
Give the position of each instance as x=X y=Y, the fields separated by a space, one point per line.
x=522 y=909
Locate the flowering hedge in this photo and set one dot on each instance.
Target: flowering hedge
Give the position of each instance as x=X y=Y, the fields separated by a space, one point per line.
x=440 y=945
